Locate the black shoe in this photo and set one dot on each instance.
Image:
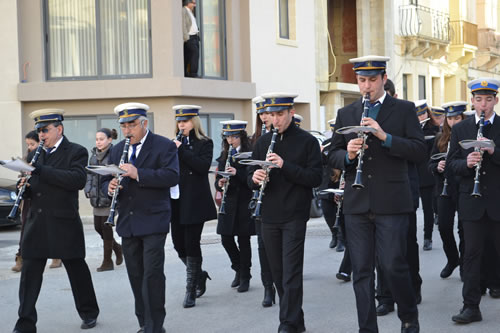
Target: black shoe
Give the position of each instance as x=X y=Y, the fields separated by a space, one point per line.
x=495 y=292
x=447 y=270
x=236 y=281
x=16 y=331
x=467 y=316
x=340 y=246
x=384 y=309
x=269 y=296
x=334 y=241
x=427 y=244
x=410 y=327
x=343 y=276
x=201 y=286
x=244 y=285
x=88 y=323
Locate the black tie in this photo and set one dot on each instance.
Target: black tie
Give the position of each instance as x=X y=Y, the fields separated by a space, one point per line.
x=49 y=150
x=133 y=157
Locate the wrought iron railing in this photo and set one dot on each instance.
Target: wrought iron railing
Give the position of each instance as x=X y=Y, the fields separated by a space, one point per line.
x=421 y=21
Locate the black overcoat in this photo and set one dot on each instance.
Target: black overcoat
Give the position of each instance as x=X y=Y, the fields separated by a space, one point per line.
x=195 y=204
x=53 y=228
x=238 y=219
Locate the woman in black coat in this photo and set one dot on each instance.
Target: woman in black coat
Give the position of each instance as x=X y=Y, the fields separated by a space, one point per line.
x=192 y=202
x=101 y=201
x=447 y=201
x=234 y=216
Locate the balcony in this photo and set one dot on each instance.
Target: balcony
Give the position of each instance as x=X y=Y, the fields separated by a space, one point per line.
x=488 y=53
x=424 y=31
x=463 y=44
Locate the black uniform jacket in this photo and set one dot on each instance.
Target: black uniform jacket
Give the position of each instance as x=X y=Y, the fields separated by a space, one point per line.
x=237 y=220
x=53 y=227
x=385 y=170
x=451 y=179
x=425 y=177
x=144 y=205
x=287 y=196
x=196 y=204
x=470 y=208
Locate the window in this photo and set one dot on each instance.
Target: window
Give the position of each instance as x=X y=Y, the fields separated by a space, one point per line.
x=82 y=129
x=211 y=20
x=421 y=87
x=283 y=19
x=405 y=87
x=213 y=128
x=89 y=39
x=286 y=22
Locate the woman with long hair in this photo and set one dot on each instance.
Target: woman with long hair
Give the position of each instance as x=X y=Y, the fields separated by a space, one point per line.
x=234 y=216
x=263 y=125
x=192 y=202
x=448 y=198
x=101 y=201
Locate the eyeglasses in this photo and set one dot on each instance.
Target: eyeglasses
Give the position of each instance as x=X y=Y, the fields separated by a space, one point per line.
x=130 y=126
x=43 y=130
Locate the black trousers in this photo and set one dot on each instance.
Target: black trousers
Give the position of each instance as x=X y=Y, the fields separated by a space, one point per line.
x=145 y=259
x=191 y=56
x=265 y=270
x=31 y=283
x=490 y=266
x=186 y=239
x=345 y=265
x=446 y=208
x=285 y=250
x=240 y=255
x=476 y=234
x=427 y=197
x=103 y=229
x=383 y=236
x=329 y=212
x=384 y=295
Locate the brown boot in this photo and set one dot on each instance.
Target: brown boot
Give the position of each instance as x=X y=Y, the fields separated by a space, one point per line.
x=19 y=264
x=56 y=263
x=107 y=263
x=117 y=248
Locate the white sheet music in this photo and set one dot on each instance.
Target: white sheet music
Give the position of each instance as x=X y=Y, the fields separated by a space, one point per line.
x=17 y=165
x=105 y=169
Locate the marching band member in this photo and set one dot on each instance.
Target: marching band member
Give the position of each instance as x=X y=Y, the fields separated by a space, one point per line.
x=479 y=189
x=234 y=215
x=426 y=179
x=263 y=125
x=286 y=203
x=53 y=228
x=297 y=119
x=195 y=151
x=447 y=190
x=376 y=216
x=151 y=168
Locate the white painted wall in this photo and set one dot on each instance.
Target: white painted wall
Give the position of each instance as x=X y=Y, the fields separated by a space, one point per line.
x=277 y=67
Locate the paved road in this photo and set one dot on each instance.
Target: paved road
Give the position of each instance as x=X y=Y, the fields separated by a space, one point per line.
x=328 y=303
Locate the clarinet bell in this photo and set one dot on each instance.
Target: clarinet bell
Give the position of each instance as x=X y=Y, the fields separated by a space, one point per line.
x=358 y=182
x=444 y=193
x=475 y=192
x=111 y=219
x=256 y=212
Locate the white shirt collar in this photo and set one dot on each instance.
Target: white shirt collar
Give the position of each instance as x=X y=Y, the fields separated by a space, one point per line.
x=55 y=146
x=381 y=99
x=138 y=148
x=490 y=119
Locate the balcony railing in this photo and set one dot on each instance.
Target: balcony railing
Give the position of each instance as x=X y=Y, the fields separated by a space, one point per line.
x=463 y=33
x=420 y=21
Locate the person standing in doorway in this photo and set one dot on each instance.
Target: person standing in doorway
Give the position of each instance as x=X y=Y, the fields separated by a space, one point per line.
x=190 y=33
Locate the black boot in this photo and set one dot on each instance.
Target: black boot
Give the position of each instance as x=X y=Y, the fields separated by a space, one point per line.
x=193 y=269
x=333 y=242
x=236 y=281
x=269 y=296
x=340 y=244
x=201 y=286
x=244 y=280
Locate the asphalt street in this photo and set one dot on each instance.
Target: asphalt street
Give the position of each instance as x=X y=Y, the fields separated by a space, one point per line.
x=328 y=303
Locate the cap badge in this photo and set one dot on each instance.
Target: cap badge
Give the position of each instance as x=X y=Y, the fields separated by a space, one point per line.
x=484 y=83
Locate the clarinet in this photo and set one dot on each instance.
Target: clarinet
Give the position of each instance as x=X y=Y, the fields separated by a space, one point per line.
x=13 y=212
x=339 y=204
x=255 y=193
x=222 y=208
x=476 y=191
x=256 y=213
x=444 y=193
x=179 y=135
x=358 y=181
x=111 y=216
